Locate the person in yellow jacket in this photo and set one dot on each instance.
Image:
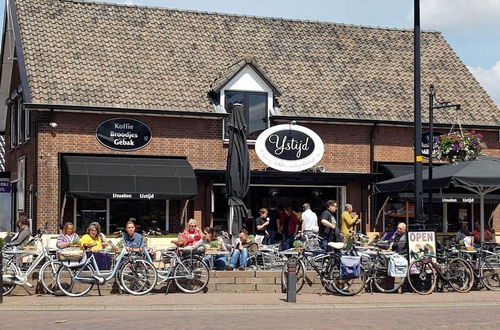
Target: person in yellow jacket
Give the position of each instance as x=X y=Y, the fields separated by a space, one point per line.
x=347 y=222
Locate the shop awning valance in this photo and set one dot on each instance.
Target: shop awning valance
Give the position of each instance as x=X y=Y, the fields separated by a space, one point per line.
x=118 y=177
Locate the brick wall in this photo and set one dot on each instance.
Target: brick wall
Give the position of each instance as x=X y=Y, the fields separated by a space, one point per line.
x=347 y=150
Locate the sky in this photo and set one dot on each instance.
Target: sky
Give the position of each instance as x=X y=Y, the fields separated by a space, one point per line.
x=471 y=27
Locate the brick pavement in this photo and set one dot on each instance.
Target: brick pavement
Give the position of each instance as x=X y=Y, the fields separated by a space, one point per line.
x=244 y=301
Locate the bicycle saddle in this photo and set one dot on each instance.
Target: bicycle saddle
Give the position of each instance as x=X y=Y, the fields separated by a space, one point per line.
x=336 y=245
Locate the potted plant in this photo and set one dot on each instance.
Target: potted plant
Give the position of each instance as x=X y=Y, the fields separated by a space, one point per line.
x=2 y=242
x=457 y=146
x=297 y=245
x=75 y=242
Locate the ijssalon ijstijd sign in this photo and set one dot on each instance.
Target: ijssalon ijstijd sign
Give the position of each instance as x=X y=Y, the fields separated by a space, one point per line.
x=289 y=148
x=123 y=134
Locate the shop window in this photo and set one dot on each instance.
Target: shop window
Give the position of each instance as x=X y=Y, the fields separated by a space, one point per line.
x=19 y=122
x=255 y=111
x=88 y=211
x=144 y=212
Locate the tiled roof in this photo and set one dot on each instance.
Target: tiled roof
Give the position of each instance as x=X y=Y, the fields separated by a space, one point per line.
x=105 y=55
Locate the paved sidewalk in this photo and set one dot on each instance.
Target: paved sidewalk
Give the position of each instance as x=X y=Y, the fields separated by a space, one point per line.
x=246 y=301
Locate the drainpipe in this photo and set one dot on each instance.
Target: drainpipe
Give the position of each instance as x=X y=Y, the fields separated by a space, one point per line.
x=372 y=196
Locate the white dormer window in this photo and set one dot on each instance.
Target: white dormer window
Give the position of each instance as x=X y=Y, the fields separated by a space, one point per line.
x=249 y=87
x=255 y=110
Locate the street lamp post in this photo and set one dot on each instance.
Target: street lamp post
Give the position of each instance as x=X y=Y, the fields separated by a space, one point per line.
x=440 y=105
x=417 y=113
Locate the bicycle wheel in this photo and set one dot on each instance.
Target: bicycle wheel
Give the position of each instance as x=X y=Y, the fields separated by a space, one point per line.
x=69 y=285
x=346 y=286
x=47 y=276
x=191 y=275
x=8 y=270
x=460 y=275
x=299 y=273
x=385 y=283
x=422 y=277
x=138 y=277
x=490 y=273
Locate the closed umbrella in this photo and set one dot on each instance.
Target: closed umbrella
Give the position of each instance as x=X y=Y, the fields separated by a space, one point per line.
x=481 y=176
x=237 y=170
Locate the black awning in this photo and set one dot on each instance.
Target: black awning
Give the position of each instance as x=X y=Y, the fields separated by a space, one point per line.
x=118 y=177
x=395 y=170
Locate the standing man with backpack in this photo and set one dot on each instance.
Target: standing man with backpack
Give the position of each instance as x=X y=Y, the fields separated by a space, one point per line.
x=329 y=230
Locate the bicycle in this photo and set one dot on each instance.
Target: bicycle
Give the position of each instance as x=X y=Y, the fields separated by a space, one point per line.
x=485 y=267
x=189 y=273
x=423 y=274
x=135 y=275
x=376 y=264
x=14 y=275
x=327 y=267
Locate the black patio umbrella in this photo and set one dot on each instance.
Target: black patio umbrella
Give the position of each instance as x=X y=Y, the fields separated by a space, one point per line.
x=481 y=176
x=237 y=170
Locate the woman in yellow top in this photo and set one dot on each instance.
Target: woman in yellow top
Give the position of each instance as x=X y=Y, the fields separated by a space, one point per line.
x=347 y=222
x=91 y=240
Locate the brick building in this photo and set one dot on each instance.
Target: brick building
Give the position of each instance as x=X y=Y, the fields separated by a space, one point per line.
x=70 y=66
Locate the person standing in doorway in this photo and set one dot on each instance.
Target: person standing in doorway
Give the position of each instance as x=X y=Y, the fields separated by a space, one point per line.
x=329 y=224
x=309 y=220
x=261 y=225
x=272 y=229
x=347 y=222
x=290 y=227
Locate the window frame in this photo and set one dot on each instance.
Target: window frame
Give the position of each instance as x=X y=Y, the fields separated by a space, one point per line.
x=246 y=107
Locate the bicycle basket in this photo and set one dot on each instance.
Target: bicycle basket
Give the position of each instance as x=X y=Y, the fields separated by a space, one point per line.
x=71 y=254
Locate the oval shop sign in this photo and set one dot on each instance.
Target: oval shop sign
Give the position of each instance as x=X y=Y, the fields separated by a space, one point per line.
x=289 y=148
x=123 y=134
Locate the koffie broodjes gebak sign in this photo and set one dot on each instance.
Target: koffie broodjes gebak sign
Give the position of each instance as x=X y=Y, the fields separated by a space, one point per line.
x=123 y=134
x=289 y=148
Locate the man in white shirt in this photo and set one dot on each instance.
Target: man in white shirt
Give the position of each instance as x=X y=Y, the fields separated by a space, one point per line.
x=309 y=219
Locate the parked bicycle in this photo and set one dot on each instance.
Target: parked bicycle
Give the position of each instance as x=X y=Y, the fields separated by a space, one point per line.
x=485 y=266
x=183 y=266
x=376 y=264
x=452 y=273
x=134 y=274
x=327 y=266
x=14 y=275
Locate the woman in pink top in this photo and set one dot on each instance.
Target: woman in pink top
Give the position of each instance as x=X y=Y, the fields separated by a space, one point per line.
x=191 y=235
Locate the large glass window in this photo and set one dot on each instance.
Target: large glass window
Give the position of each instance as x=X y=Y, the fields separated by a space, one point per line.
x=88 y=211
x=144 y=212
x=255 y=111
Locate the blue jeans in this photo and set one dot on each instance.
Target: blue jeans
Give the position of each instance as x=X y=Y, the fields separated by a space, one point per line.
x=239 y=258
x=287 y=241
x=272 y=237
x=219 y=261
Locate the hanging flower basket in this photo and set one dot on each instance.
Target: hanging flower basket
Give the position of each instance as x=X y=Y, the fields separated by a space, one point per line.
x=457 y=146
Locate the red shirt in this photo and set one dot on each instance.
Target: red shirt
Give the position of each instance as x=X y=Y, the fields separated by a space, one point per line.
x=292 y=223
x=190 y=238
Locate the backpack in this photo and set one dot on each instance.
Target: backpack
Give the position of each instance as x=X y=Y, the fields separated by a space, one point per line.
x=350 y=266
x=398 y=266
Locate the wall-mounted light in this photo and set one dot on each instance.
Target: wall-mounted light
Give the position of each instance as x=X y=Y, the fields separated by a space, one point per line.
x=53 y=124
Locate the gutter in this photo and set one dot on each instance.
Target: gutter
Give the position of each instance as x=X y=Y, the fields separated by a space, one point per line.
x=131 y=111
x=329 y=120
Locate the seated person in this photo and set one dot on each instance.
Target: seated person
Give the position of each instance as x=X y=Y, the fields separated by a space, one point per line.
x=92 y=243
x=488 y=237
x=67 y=236
x=399 y=243
x=23 y=235
x=154 y=229
x=133 y=241
x=239 y=257
x=389 y=232
x=463 y=232
x=219 y=260
x=191 y=236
